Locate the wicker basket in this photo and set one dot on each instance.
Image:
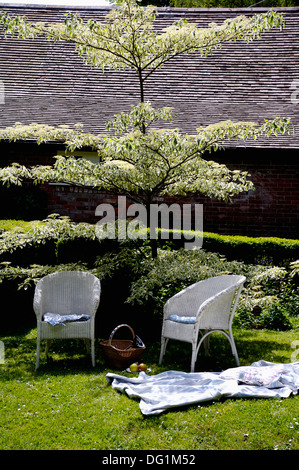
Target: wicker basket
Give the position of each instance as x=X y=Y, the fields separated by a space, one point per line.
x=119 y=353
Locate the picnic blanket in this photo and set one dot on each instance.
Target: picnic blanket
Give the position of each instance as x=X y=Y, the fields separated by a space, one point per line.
x=170 y=389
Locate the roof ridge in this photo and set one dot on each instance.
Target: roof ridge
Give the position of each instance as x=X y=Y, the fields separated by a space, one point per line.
x=27 y=6
x=164 y=9
x=213 y=10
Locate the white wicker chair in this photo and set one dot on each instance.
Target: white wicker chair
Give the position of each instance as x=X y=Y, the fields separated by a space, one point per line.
x=65 y=293
x=202 y=308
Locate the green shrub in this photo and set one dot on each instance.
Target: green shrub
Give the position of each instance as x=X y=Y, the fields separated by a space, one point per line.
x=135 y=287
x=255 y=250
x=72 y=242
x=157 y=280
x=47 y=242
x=80 y=249
x=174 y=270
x=274 y=317
x=260 y=250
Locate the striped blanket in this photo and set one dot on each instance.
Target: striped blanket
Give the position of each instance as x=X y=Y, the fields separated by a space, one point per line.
x=170 y=389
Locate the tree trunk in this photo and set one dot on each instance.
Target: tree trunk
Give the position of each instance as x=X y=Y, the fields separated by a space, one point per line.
x=153 y=240
x=154 y=247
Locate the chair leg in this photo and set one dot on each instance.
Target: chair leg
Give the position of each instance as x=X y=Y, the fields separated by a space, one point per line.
x=164 y=342
x=234 y=350
x=93 y=359
x=37 y=354
x=233 y=346
x=193 y=357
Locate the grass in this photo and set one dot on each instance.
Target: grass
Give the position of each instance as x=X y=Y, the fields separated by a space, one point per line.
x=68 y=405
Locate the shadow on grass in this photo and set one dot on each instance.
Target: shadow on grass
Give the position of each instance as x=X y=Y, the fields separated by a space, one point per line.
x=252 y=346
x=70 y=356
x=64 y=357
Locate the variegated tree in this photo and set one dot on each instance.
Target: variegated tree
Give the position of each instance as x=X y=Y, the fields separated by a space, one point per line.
x=138 y=159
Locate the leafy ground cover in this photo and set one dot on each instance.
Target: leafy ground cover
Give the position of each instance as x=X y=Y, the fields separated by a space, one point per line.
x=68 y=405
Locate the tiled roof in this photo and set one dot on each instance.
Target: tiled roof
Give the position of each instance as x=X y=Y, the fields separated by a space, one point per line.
x=48 y=83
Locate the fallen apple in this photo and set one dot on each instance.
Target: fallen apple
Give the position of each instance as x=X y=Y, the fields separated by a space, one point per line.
x=142 y=367
x=134 y=367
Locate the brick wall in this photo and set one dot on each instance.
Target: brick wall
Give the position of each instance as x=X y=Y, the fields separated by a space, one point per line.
x=271 y=210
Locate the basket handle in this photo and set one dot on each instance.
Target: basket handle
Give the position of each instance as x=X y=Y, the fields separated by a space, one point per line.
x=117 y=328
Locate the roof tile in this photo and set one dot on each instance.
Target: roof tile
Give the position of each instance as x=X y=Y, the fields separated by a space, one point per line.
x=48 y=82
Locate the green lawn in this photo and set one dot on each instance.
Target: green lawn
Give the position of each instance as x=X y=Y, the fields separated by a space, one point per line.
x=68 y=405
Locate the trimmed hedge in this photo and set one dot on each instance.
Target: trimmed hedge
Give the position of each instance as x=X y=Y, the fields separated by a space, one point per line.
x=272 y=251
x=252 y=250
x=130 y=272
x=256 y=250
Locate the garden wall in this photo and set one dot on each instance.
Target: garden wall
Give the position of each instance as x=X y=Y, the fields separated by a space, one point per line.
x=271 y=210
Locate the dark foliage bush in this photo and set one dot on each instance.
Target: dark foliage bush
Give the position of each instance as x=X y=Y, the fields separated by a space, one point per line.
x=135 y=286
